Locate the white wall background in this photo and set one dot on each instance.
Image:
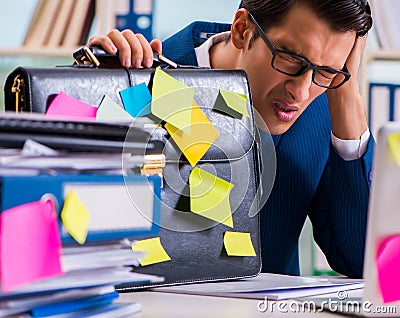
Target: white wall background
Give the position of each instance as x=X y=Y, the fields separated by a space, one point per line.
x=14 y=21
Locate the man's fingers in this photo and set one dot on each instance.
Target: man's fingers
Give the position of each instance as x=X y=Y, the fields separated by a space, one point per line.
x=133 y=49
x=147 y=58
x=156 y=46
x=136 y=49
x=103 y=41
x=354 y=59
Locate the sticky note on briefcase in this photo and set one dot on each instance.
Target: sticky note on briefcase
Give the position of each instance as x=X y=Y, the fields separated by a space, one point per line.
x=202 y=135
x=238 y=244
x=110 y=110
x=209 y=196
x=137 y=100
x=154 y=249
x=67 y=106
x=231 y=103
x=172 y=100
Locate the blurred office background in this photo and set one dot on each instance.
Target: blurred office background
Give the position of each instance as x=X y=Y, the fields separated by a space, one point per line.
x=168 y=16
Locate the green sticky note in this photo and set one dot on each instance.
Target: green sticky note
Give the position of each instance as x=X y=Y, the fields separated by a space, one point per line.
x=238 y=244
x=110 y=111
x=172 y=100
x=155 y=252
x=394 y=146
x=209 y=196
x=233 y=104
x=75 y=217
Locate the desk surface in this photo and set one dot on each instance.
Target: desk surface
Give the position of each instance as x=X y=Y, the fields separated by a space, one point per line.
x=165 y=305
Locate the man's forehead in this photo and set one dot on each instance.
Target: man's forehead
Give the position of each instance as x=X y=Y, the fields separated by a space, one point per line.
x=302 y=32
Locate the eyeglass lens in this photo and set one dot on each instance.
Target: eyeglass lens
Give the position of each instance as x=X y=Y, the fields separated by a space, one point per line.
x=292 y=65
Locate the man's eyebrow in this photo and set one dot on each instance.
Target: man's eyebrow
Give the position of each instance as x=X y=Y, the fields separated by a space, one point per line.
x=286 y=49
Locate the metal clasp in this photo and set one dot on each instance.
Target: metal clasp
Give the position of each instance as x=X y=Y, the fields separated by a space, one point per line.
x=16 y=89
x=83 y=55
x=153 y=165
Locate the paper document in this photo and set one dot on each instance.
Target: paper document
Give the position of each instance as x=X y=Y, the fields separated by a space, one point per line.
x=24 y=304
x=273 y=286
x=98 y=259
x=96 y=162
x=83 y=279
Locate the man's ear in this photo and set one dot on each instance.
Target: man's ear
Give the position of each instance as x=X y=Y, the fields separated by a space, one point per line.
x=241 y=30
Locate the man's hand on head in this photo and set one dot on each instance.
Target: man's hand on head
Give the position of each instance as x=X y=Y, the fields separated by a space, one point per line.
x=346 y=104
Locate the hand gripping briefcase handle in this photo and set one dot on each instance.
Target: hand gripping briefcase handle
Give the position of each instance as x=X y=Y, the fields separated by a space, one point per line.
x=18 y=96
x=98 y=57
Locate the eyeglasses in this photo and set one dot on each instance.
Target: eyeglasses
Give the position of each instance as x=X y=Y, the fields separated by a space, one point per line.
x=294 y=65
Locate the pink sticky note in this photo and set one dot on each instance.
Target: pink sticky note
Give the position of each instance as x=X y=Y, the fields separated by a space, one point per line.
x=30 y=244
x=64 y=105
x=388 y=265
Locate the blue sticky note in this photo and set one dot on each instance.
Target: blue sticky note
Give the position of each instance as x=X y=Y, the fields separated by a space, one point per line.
x=137 y=100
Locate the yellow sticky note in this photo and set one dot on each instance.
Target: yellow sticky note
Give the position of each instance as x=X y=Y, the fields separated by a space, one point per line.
x=172 y=100
x=202 y=135
x=155 y=251
x=110 y=111
x=209 y=196
x=75 y=217
x=394 y=146
x=235 y=101
x=238 y=244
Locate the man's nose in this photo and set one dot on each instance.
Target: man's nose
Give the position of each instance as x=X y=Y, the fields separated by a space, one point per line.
x=299 y=87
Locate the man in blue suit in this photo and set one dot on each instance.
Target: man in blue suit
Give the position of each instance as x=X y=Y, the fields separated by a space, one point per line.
x=302 y=59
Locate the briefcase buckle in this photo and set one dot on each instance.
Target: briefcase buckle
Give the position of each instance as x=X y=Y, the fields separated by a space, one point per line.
x=153 y=165
x=83 y=55
x=17 y=89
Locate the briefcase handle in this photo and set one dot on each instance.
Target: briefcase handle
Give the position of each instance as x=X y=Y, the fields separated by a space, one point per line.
x=98 y=57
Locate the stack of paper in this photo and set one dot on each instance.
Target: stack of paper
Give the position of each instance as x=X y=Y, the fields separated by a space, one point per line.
x=43 y=279
x=75 y=293
x=83 y=302
x=67 y=220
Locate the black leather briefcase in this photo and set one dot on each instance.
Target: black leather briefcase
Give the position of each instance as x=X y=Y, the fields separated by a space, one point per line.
x=194 y=243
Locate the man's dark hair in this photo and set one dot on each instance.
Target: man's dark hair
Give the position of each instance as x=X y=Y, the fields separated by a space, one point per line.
x=340 y=15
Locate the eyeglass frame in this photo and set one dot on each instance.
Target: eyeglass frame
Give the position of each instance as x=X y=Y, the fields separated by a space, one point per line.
x=303 y=69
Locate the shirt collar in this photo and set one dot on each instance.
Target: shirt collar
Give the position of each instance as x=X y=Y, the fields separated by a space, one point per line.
x=202 y=51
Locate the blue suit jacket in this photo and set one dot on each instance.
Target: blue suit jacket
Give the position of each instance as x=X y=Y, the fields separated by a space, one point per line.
x=311 y=179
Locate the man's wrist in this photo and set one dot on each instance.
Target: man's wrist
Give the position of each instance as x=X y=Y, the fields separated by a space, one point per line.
x=351 y=149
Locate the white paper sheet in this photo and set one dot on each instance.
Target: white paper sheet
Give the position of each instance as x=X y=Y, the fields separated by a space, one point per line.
x=273 y=286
